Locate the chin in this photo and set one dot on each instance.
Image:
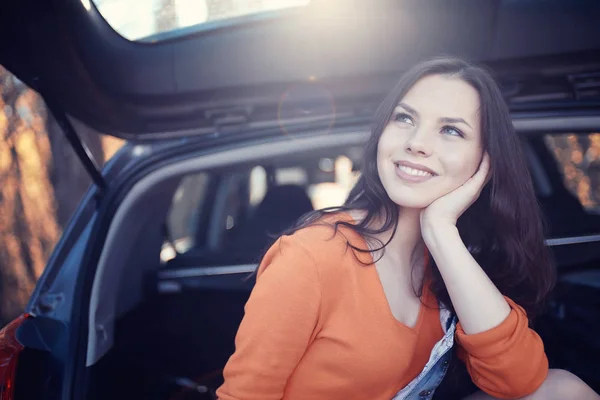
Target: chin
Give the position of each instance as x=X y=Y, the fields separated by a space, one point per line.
x=414 y=201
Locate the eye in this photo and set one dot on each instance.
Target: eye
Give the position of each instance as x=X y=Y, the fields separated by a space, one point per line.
x=452 y=131
x=403 y=118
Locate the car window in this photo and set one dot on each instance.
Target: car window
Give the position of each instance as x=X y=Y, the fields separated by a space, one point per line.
x=236 y=202
x=282 y=176
x=334 y=191
x=327 y=183
x=578 y=160
x=238 y=211
x=184 y=216
x=154 y=17
x=245 y=193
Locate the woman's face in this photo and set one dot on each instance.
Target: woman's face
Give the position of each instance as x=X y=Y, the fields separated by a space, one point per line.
x=432 y=144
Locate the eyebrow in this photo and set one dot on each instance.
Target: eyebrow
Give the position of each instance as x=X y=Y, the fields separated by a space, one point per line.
x=446 y=120
x=408 y=108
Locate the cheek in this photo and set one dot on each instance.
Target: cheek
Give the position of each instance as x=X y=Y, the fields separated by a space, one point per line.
x=460 y=167
x=385 y=147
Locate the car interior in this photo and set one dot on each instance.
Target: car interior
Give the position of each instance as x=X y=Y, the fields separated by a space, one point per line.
x=189 y=266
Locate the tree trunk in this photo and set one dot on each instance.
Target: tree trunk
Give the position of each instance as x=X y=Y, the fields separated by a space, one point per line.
x=42 y=182
x=28 y=225
x=166 y=18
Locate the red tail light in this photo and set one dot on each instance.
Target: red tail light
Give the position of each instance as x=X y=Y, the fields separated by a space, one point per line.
x=9 y=352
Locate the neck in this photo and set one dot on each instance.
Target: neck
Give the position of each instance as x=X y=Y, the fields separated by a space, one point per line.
x=406 y=247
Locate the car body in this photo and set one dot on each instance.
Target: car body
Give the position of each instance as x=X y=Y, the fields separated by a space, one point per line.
x=143 y=293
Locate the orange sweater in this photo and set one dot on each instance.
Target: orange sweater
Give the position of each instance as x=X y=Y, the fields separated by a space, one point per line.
x=318 y=326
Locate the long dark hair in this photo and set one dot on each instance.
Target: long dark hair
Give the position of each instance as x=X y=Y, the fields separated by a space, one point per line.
x=503 y=229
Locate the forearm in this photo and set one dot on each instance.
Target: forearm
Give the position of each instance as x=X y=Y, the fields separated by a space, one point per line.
x=478 y=303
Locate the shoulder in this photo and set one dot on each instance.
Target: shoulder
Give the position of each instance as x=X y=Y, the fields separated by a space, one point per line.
x=329 y=238
x=320 y=245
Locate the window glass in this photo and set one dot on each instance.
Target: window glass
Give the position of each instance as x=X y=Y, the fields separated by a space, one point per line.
x=578 y=158
x=258 y=185
x=183 y=219
x=153 y=17
x=335 y=192
x=225 y=208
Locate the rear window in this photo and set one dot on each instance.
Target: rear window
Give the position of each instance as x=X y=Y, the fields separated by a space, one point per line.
x=578 y=159
x=186 y=215
x=154 y=17
x=226 y=217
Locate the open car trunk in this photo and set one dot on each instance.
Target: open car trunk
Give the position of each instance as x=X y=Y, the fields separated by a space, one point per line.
x=191 y=334
x=237 y=76
x=183 y=332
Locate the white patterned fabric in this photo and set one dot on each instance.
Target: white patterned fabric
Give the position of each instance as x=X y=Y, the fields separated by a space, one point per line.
x=433 y=367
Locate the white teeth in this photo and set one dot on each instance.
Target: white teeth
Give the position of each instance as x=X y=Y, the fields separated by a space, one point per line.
x=414 y=172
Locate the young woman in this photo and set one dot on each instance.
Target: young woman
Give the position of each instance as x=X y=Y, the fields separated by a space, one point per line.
x=439 y=246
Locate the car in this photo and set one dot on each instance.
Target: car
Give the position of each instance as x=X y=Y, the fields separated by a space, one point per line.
x=234 y=130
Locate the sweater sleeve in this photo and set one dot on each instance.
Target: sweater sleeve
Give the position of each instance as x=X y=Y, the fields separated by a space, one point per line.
x=507 y=361
x=280 y=321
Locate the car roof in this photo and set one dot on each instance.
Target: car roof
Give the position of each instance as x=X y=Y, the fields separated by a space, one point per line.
x=347 y=54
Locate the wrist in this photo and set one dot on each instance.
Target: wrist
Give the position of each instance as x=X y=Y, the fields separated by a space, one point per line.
x=436 y=234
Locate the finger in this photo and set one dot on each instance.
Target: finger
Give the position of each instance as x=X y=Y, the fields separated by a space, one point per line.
x=485 y=168
x=485 y=171
x=480 y=178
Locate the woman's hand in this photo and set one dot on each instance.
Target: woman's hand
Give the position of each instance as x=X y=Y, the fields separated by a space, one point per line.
x=477 y=301
x=445 y=211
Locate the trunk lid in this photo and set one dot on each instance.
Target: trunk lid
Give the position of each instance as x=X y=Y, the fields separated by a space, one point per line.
x=327 y=63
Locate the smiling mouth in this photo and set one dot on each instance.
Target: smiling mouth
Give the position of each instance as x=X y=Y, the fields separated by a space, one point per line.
x=413 y=171
x=411 y=174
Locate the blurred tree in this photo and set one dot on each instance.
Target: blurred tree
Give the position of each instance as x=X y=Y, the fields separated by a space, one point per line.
x=28 y=226
x=578 y=156
x=41 y=183
x=220 y=9
x=166 y=16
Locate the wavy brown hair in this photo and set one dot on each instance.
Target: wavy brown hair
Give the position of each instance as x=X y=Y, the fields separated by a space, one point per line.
x=503 y=229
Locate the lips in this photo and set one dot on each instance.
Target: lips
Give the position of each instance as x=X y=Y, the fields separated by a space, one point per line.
x=413 y=172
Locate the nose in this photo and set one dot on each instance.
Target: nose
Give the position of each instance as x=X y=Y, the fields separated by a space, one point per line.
x=418 y=143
